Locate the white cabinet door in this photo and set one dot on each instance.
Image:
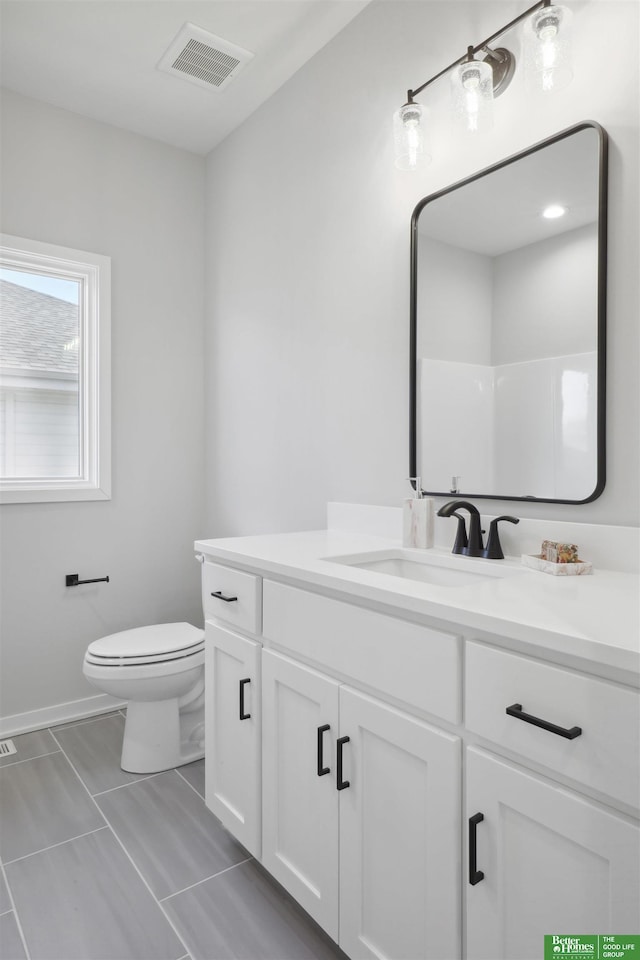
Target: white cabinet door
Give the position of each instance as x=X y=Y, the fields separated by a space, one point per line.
x=232 y=733
x=552 y=863
x=399 y=835
x=300 y=807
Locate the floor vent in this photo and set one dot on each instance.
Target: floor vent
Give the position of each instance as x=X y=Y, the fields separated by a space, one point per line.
x=201 y=57
x=7 y=747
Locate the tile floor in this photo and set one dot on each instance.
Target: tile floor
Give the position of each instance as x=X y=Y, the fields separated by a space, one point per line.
x=98 y=864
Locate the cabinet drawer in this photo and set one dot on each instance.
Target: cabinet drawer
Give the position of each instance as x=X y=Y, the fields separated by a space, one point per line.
x=604 y=756
x=239 y=597
x=414 y=664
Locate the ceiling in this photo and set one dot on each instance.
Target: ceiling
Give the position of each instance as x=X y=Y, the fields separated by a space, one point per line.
x=500 y=212
x=98 y=58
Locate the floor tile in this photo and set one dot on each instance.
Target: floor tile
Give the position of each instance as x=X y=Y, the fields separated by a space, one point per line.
x=11 y=946
x=5 y=902
x=42 y=803
x=243 y=914
x=29 y=745
x=83 y=900
x=94 y=749
x=169 y=833
x=194 y=773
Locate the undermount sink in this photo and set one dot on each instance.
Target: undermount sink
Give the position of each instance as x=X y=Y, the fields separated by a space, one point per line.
x=442 y=570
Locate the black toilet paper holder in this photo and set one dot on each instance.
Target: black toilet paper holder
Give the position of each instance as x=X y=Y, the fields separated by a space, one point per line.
x=72 y=580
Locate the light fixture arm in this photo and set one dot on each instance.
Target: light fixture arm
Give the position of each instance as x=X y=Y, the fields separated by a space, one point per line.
x=471 y=51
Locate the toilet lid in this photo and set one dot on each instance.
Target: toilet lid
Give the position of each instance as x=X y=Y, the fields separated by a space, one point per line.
x=162 y=640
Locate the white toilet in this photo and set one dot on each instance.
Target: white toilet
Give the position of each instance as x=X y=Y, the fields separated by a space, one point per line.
x=160 y=670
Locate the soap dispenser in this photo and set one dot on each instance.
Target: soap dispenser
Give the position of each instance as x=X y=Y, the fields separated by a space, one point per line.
x=417 y=521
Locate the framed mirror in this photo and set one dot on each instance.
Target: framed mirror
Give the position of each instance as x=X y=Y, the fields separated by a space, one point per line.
x=508 y=304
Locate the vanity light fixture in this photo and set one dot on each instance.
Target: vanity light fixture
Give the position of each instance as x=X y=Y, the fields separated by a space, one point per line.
x=547 y=50
x=410 y=137
x=475 y=83
x=472 y=91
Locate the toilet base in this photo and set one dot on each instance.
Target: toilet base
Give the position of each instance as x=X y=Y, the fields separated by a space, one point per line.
x=158 y=737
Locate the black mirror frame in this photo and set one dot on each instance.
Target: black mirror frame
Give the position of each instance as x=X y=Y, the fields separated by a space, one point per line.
x=601 y=313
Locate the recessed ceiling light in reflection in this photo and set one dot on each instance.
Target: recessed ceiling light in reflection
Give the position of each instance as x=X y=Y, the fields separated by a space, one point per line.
x=553 y=211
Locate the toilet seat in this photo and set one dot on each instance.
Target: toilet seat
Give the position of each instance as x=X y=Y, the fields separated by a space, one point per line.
x=156 y=644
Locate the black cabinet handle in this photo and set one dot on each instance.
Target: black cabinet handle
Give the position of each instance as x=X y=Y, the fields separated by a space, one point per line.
x=220 y=595
x=243 y=683
x=475 y=875
x=321 y=768
x=341 y=784
x=515 y=710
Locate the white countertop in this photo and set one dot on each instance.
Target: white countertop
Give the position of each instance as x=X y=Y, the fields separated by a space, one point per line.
x=594 y=618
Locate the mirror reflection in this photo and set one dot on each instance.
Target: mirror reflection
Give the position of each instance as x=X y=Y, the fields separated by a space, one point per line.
x=508 y=272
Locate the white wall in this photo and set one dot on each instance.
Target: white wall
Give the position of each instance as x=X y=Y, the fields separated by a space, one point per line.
x=455 y=303
x=308 y=263
x=544 y=298
x=70 y=181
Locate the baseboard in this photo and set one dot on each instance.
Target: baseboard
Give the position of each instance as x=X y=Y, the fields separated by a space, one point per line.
x=59 y=713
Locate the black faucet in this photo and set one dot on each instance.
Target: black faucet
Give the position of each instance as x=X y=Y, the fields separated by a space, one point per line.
x=494 y=548
x=473 y=546
x=461 y=541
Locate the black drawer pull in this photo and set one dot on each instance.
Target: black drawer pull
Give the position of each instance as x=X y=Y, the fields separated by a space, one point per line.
x=341 y=784
x=515 y=710
x=243 y=683
x=321 y=768
x=475 y=875
x=220 y=595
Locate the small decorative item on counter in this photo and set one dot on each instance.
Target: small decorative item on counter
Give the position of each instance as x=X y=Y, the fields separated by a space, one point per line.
x=558 y=559
x=417 y=526
x=575 y=568
x=559 y=552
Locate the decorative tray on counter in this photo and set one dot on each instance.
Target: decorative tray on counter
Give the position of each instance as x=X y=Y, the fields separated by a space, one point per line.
x=537 y=562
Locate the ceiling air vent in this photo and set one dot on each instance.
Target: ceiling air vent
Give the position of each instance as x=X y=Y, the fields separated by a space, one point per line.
x=202 y=58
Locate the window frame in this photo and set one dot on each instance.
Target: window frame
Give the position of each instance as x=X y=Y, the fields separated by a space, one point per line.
x=93 y=272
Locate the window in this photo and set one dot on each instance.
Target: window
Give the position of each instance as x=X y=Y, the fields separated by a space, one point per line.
x=55 y=439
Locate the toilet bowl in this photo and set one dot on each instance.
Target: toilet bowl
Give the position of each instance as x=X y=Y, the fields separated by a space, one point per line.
x=159 y=670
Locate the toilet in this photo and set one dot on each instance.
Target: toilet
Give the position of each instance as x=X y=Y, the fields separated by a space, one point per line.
x=159 y=670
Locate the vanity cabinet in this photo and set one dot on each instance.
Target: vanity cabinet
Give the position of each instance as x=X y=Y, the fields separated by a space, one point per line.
x=233 y=720
x=542 y=858
x=546 y=861
x=341 y=741
x=399 y=834
x=361 y=809
x=300 y=808
x=556 y=703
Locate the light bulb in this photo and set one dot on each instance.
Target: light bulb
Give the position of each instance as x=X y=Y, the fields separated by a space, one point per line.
x=410 y=138
x=547 y=49
x=472 y=93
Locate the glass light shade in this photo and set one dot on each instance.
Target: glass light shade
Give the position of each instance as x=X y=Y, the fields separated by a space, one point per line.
x=472 y=93
x=410 y=137
x=547 y=49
